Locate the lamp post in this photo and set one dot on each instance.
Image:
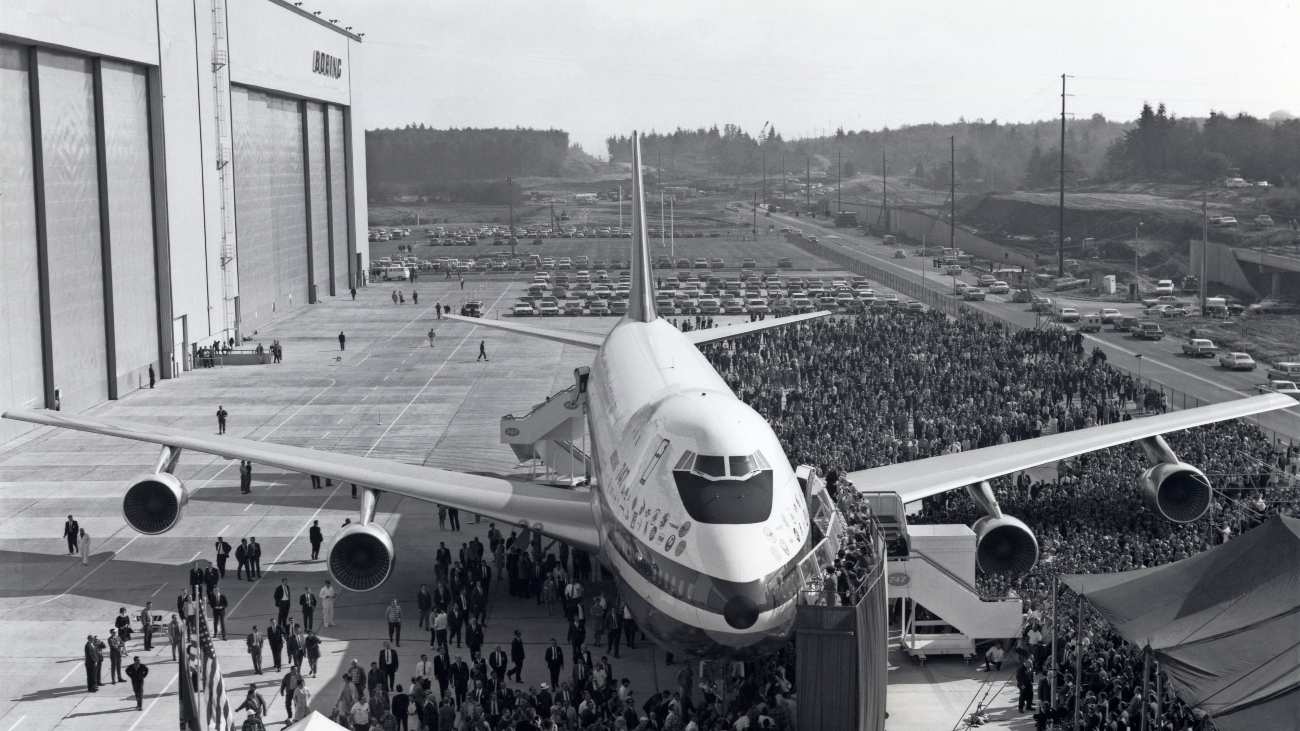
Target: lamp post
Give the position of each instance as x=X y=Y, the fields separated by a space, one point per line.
x=1137 y=233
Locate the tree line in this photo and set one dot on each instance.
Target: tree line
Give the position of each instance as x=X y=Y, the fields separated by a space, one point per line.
x=420 y=160
x=989 y=155
x=1163 y=147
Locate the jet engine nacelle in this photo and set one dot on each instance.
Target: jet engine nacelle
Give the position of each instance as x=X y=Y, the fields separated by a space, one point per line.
x=362 y=557
x=1004 y=544
x=153 y=503
x=1178 y=491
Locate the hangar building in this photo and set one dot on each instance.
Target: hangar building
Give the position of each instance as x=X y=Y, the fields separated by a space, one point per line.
x=171 y=173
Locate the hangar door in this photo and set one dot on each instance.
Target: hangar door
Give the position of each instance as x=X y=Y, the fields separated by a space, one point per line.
x=270 y=205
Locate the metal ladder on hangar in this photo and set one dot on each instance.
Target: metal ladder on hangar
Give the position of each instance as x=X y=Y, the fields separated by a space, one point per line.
x=552 y=437
x=225 y=177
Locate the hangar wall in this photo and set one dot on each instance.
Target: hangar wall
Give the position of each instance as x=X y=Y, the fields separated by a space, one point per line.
x=136 y=134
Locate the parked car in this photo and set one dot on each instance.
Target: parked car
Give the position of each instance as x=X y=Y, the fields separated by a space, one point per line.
x=1287 y=388
x=1148 y=331
x=1285 y=371
x=1068 y=314
x=1237 y=362
x=1199 y=348
x=522 y=309
x=973 y=294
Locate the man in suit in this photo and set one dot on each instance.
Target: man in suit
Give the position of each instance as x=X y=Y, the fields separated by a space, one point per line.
x=219 y=604
x=275 y=637
x=211 y=577
x=374 y=679
x=554 y=661
x=283 y=601
x=442 y=671
x=460 y=679
x=196 y=579
x=223 y=553
x=71 y=529
x=498 y=662
x=92 y=664
x=254 y=642
x=424 y=603
x=307 y=602
x=295 y=645
x=388 y=664
x=316 y=537
x=137 y=671
x=254 y=558
x=517 y=656
x=241 y=560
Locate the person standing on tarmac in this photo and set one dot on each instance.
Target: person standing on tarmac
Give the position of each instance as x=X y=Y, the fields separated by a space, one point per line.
x=432 y=334
x=343 y=341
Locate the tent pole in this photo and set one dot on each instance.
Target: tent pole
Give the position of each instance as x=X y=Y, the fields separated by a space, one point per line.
x=1160 y=696
x=1052 y=699
x=1078 y=666
x=1146 y=684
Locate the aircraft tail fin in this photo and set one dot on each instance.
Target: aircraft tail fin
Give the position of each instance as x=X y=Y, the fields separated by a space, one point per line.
x=641 y=303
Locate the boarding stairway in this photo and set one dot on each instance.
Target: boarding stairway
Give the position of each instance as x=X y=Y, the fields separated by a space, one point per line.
x=942 y=611
x=551 y=437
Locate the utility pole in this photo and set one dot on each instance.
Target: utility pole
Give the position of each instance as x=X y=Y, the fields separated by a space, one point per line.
x=1060 y=227
x=884 y=190
x=663 y=230
x=807 y=186
x=839 y=174
x=952 y=194
x=1203 y=286
x=510 y=197
x=756 y=216
x=785 y=191
x=620 y=207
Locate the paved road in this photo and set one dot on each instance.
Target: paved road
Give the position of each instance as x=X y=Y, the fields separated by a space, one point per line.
x=1193 y=380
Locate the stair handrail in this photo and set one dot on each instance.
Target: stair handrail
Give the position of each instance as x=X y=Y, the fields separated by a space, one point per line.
x=965 y=584
x=534 y=409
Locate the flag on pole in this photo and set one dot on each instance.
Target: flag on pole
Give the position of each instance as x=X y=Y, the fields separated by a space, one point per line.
x=216 y=707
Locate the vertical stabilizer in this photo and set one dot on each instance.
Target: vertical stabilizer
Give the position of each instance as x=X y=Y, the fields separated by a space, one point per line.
x=641 y=305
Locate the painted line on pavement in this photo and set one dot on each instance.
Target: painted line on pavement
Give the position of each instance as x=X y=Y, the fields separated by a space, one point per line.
x=445 y=361
x=18 y=722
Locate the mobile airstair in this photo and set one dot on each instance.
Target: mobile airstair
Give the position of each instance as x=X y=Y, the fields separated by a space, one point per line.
x=942 y=611
x=552 y=437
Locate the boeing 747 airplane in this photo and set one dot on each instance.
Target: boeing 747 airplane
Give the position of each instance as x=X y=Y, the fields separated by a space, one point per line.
x=692 y=503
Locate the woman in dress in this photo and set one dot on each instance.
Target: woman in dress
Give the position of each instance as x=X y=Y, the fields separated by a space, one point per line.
x=83 y=544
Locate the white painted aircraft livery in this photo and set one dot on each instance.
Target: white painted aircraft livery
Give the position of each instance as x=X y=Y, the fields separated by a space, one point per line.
x=692 y=503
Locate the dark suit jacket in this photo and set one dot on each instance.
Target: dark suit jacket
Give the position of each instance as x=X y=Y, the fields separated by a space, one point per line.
x=136 y=673
x=554 y=657
x=71 y=529
x=388 y=660
x=283 y=596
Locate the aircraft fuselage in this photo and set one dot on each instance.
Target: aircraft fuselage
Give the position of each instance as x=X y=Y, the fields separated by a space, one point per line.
x=700 y=515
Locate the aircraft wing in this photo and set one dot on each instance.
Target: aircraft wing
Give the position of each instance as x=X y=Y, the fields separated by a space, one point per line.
x=712 y=334
x=925 y=477
x=568 y=337
x=558 y=512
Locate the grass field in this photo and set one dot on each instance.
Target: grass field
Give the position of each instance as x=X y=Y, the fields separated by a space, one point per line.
x=1270 y=338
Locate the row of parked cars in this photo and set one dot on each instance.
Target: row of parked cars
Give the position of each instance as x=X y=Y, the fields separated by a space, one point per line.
x=596 y=294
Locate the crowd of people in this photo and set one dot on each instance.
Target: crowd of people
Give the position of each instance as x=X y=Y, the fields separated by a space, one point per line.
x=842 y=394
x=459 y=683
x=852 y=393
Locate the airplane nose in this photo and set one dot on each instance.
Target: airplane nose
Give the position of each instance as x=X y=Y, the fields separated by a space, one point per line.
x=740 y=612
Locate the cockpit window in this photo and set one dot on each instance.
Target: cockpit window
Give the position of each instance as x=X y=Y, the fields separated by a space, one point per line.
x=740 y=466
x=727 y=500
x=711 y=465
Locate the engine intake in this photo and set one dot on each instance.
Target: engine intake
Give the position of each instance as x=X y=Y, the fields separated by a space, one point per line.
x=153 y=503
x=1004 y=544
x=1178 y=491
x=362 y=557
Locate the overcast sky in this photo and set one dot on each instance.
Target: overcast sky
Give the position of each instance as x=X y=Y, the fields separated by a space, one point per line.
x=594 y=68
